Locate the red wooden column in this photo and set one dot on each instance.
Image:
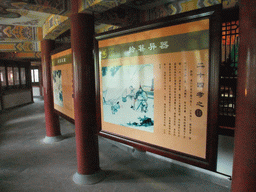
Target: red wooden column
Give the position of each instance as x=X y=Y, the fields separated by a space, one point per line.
x=51 y=119
x=82 y=43
x=244 y=167
x=1 y=99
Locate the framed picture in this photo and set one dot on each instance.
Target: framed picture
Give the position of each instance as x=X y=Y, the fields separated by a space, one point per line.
x=158 y=86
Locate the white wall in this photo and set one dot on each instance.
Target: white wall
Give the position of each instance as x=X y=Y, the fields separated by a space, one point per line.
x=225 y=155
x=36 y=91
x=16 y=99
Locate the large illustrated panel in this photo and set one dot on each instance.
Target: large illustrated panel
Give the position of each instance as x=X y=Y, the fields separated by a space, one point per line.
x=154 y=86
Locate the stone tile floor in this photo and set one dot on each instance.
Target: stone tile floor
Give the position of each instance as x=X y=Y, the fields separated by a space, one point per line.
x=27 y=165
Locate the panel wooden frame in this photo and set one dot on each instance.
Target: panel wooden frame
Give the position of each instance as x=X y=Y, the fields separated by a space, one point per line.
x=213 y=13
x=69 y=119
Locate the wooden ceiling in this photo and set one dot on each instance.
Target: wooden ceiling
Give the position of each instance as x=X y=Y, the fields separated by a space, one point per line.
x=24 y=23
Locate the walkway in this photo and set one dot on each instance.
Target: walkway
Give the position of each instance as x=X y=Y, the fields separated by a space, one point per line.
x=26 y=164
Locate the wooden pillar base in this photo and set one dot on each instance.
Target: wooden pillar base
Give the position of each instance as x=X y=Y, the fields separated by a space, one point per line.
x=51 y=140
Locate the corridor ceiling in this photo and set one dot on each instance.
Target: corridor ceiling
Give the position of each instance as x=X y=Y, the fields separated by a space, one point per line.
x=24 y=23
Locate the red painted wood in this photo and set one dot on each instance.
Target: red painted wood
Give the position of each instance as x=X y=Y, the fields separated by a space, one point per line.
x=244 y=167
x=1 y=97
x=51 y=119
x=74 y=6
x=82 y=36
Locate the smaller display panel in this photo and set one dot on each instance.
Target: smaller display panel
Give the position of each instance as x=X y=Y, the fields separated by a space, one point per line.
x=62 y=81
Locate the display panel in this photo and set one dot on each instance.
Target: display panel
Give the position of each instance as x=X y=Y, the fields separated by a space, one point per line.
x=154 y=86
x=62 y=81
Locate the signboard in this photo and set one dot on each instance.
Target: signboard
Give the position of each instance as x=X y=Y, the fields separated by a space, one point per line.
x=62 y=81
x=155 y=90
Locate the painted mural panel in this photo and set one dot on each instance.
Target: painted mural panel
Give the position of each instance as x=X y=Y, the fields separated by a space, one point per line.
x=154 y=86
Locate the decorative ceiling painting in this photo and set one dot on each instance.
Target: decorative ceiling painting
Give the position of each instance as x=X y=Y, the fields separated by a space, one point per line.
x=118 y=16
x=144 y=10
x=55 y=25
x=26 y=46
x=24 y=23
x=21 y=24
x=230 y=3
x=176 y=7
x=26 y=18
x=45 y=6
x=148 y=4
x=20 y=33
x=15 y=56
x=104 y=27
x=100 y=6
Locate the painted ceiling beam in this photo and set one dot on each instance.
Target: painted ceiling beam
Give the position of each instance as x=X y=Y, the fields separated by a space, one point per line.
x=20 y=56
x=112 y=14
x=18 y=33
x=99 y=6
x=25 y=46
x=24 y=35
x=55 y=25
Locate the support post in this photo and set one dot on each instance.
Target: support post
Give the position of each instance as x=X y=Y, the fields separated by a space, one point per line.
x=51 y=119
x=1 y=97
x=244 y=167
x=82 y=39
